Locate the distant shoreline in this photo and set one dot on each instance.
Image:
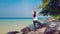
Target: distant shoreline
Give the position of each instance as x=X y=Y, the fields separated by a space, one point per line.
x=17 y=18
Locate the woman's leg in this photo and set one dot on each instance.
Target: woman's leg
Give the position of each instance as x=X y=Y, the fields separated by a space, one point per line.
x=34 y=22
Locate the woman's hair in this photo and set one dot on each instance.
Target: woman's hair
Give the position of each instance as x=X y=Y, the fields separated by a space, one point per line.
x=34 y=15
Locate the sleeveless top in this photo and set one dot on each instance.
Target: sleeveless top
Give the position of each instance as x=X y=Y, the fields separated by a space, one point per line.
x=35 y=17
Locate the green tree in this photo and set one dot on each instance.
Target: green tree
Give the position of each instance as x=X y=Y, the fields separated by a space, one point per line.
x=51 y=7
x=44 y=3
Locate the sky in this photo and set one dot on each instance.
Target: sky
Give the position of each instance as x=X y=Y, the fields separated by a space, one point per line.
x=18 y=8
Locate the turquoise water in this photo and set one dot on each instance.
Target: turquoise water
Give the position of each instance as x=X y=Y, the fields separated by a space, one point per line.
x=7 y=25
x=16 y=20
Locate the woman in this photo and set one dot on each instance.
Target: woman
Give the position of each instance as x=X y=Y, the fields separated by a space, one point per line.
x=35 y=19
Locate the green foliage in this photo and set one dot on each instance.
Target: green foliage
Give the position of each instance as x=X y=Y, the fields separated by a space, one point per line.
x=44 y=3
x=58 y=17
x=50 y=7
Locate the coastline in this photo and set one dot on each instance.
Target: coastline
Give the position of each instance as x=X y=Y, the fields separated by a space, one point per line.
x=8 y=25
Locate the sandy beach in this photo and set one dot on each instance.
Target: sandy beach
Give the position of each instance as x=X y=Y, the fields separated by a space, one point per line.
x=13 y=25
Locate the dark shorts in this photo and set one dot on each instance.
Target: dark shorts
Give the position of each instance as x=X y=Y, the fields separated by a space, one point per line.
x=36 y=21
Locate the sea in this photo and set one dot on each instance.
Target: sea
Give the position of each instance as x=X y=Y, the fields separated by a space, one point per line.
x=15 y=24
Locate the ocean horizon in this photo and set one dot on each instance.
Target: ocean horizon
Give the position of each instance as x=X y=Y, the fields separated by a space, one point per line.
x=11 y=18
